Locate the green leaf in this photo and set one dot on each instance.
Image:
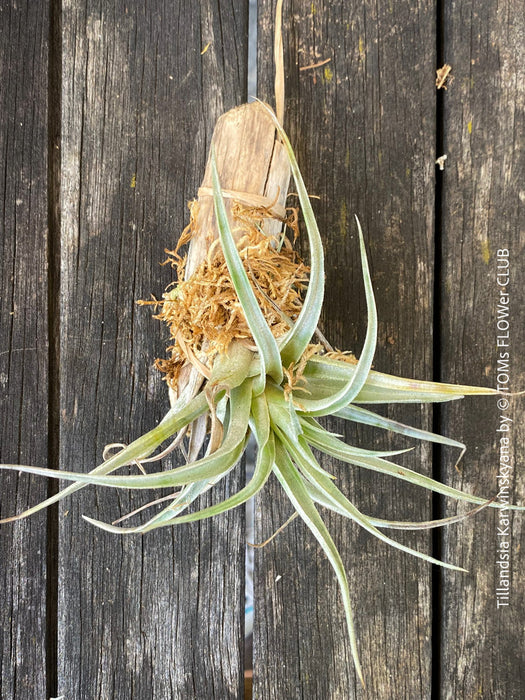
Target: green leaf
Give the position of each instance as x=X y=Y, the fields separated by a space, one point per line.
x=315 y=429
x=206 y=468
x=294 y=487
x=426 y=524
x=140 y=448
x=282 y=411
x=362 y=415
x=337 y=448
x=266 y=343
x=295 y=341
x=323 y=500
x=330 y=491
x=324 y=376
x=183 y=499
x=260 y=420
x=231 y=368
x=285 y=422
x=357 y=379
x=263 y=468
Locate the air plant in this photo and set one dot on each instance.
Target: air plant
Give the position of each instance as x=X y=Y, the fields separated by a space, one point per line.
x=262 y=376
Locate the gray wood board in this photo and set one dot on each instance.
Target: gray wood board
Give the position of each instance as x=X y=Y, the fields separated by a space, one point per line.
x=483 y=645
x=363 y=125
x=24 y=31
x=161 y=615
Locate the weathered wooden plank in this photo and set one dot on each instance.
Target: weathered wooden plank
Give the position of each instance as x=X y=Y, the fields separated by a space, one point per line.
x=24 y=31
x=160 y=616
x=483 y=639
x=363 y=127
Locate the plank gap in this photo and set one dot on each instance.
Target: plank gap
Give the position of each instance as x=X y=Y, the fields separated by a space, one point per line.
x=252 y=50
x=53 y=217
x=437 y=452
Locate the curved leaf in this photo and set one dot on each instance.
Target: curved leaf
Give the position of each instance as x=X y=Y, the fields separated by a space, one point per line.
x=323 y=500
x=330 y=491
x=205 y=468
x=142 y=447
x=324 y=376
x=337 y=448
x=357 y=379
x=295 y=341
x=266 y=343
x=312 y=426
x=294 y=487
x=362 y=415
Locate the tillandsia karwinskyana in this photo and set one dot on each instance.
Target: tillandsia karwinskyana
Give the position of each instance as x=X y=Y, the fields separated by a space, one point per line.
x=246 y=359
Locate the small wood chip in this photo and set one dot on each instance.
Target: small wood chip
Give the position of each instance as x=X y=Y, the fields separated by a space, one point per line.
x=443 y=77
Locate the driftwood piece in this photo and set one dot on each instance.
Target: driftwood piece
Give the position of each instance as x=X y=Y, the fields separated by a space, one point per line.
x=253 y=170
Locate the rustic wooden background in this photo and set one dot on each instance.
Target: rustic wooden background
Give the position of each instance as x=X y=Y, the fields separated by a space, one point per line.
x=107 y=111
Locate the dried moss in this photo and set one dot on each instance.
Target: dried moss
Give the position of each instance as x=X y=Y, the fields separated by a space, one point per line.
x=203 y=313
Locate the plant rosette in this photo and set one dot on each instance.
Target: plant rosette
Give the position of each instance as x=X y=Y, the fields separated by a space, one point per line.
x=243 y=364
